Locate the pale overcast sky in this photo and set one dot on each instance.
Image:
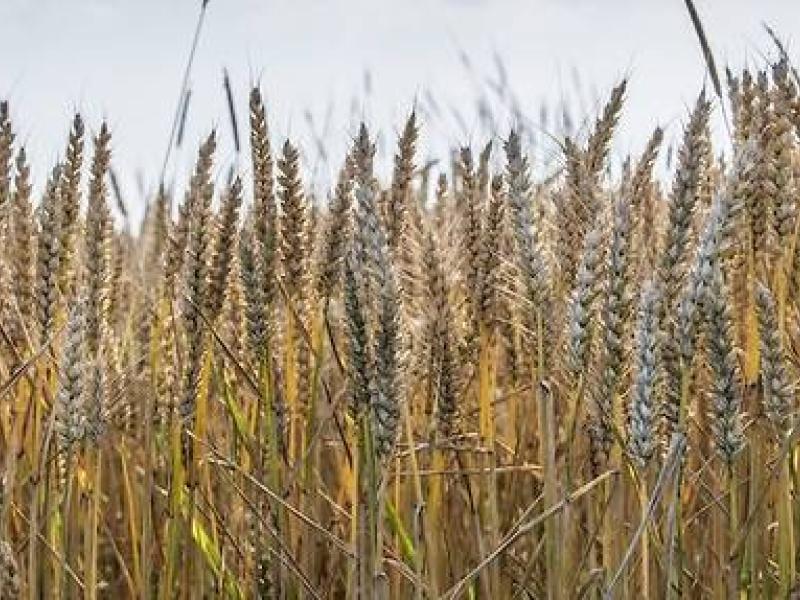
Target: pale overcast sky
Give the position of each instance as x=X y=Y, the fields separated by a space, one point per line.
x=123 y=60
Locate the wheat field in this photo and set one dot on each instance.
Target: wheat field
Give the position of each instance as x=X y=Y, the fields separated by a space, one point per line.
x=464 y=381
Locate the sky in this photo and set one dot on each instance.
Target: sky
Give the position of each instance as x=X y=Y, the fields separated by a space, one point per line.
x=326 y=64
